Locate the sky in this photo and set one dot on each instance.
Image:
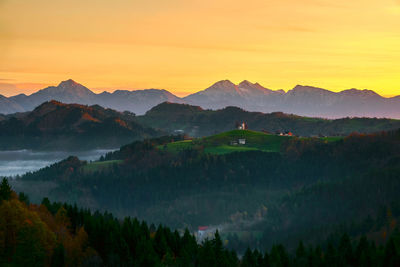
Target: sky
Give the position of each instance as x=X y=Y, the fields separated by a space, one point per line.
x=186 y=45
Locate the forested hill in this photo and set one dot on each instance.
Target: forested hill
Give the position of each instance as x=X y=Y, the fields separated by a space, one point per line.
x=306 y=191
x=54 y=125
x=56 y=234
x=197 y=122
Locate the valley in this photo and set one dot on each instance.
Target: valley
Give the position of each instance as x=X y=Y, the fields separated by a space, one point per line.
x=19 y=162
x=275 y=179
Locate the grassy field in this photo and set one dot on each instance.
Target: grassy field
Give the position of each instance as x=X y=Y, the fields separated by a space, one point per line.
x=225 y=149
x=100 y=165
x=221 y=143
x=254 y=140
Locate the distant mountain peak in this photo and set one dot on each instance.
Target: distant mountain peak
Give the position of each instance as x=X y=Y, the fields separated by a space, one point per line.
x=249 y=85
x=221 y=87
x=69 y=83
x=223 y=83
x=357 y=92
x=308 y=89
x=246 y=83
x=69 y=87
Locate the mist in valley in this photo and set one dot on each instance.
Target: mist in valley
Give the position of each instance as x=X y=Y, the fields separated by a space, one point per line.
x=18 y=162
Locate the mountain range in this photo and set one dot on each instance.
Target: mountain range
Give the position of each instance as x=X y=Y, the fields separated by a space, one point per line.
x=301 y=100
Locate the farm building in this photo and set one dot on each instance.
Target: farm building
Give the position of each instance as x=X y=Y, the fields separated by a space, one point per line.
x=202 y=231
x=286 y=134
x=240 y=141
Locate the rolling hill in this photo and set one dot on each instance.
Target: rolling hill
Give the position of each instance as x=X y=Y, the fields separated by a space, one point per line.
x=228 y=142
x=54 y=125
x=198 y=122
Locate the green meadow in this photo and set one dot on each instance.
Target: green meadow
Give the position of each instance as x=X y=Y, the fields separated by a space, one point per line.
x=223 y=143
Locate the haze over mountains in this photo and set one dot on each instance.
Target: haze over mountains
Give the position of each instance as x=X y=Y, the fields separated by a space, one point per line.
x=301 y=100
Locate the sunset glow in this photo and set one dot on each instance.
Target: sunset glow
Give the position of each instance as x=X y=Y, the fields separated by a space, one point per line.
x=185 y=46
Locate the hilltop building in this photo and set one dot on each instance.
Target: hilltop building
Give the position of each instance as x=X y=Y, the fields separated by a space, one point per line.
x=241 y=126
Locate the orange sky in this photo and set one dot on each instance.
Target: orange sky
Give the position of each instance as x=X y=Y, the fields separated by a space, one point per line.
x=186 y=45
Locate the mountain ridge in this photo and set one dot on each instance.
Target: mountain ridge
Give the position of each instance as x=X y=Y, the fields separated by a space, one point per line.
x=302 y=100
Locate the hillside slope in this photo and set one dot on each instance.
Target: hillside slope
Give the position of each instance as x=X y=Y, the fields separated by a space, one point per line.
x=308 y=190
x=54 y=125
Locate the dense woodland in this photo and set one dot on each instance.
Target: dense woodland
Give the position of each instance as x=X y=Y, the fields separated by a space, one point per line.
x=56 y=234
x=308 y=191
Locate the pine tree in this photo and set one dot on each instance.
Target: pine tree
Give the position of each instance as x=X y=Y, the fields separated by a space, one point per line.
x=301 y=257
x=248 y=259
x=345 y=251
x=363 y=253
x=5 y=190
x=330 y=257
x=392 y=257
x=279 y=256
